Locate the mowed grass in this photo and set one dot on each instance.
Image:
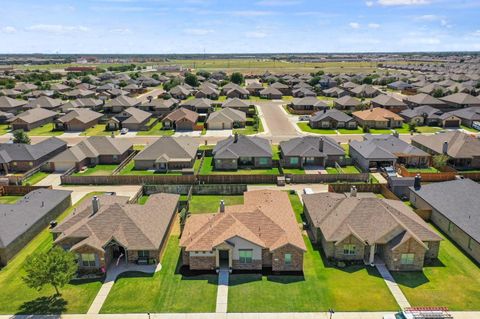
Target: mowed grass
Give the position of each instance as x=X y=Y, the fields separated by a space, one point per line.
x=208 y=169
x=166 y=291
x=16 y=297
x=354 y=288
x=45 y=130
x=423 y=170
x=129 y=169
x=345 y=170
x=428 y=129
x=9 y=199
x=453 y=282
x=157 y=129
x=358 y=130
x=98 y=170
x=306 y=128
x=210 y=203
x=98 y=130
x=4 y=129
x=35 y=178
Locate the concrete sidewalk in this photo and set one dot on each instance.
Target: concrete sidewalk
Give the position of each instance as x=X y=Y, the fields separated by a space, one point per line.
x=393 y=286
x=222 y=291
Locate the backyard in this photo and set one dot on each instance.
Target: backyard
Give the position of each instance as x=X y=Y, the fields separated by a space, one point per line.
x=35 y=178
x=208 y=169
x=129 y=169
x=7 y=199
x=210 y=203
x=344 y=170
x=166 y=291
x=453 y=281
x=97 y=170
x=16 y=297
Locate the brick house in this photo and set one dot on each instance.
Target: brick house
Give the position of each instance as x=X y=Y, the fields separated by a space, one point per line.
x=109 y=230
x=378 y=118
x=261 y=233
x=181 y=119
x=78 y=120
x=33 y=118
x=364 y=228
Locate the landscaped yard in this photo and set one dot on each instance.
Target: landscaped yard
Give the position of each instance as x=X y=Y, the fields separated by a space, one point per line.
x=45 y=130
x=358 y=130
x=129 y=169
x=296 y=171
x=166 y=291
x=210 y=203
x=249 y=129
x=345 y=170
x=98 y=170
x=35 y=178
x=428 y=129
x=453 y=282
x=98 y=130
x=354 y=288
x=296 y=205
x=404 y=129
x=469 y=129
x=380 y=131
x=306 y=128
x=157 y=129
x=9 y=199
x=208 y=169
x=4 y=128
x=16 y=297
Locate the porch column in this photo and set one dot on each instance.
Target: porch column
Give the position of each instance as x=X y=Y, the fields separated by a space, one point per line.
x=372 y=254
x=217 y=258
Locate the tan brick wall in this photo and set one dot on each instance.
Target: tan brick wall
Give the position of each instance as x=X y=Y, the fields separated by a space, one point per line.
x=254 y=265
x=393 y=258
x=359 y=249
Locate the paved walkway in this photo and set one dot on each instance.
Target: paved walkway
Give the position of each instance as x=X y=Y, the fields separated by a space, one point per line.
x=112 y=274
x=379 y=178
x=222 y=290
x=392 y=286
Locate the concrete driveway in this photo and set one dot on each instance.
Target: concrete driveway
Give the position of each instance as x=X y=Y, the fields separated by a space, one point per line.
x=224 y=133
x=51 y=180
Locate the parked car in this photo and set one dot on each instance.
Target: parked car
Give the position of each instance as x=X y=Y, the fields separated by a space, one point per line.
x=124 y=131
x=304 y=118
x=390 y=171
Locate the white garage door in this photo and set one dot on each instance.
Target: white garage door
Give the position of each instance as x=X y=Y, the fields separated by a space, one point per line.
x=63 y=166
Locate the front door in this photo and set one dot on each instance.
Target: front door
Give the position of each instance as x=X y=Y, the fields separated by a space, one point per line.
x=224 y=258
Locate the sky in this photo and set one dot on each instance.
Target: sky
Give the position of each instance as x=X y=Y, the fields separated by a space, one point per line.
x=239 y=26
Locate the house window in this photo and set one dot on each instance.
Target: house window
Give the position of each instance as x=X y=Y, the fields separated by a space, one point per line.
x=115 y=157
x=143 y=254
x=349 y=249
x=450 y=226
x=469 y=243
x=14 y=163
x=294 y=160
x=263 y=161
x=288 y=259
x=30 y=163
x=245 y=256
x=88 y=260
x=407 y=259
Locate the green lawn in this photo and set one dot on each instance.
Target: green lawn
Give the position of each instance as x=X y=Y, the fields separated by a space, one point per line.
x=249 y=129
x=453 y=282
x=35 y=178
x=469 y=129
x=346 y=170
x=423 y=170
x=157 y=129
x=45 y=130
x=358 y=130
x=346 y=148
x=4 y=128
x=210 y=203
x=404 y=129
x=142 y=200
x=9 y=199
x=380 y=131
x=428 y=129
x=129 y=169
x=16 y=297
x=166 y=291
x=306 y=128
x=275 y=152
x=208 y=169
x=98 y=170
x=297 y=206
x=296 y=171
x=355 y=288
x=98 y=130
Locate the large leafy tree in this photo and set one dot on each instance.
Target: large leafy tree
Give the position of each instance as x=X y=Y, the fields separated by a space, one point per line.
x=19 y=136
x=191 y=79
x=237 y=78
x=55 y=267
x=440 y=160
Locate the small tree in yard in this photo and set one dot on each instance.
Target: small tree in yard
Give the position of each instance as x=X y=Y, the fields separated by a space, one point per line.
x=237 y=78
x=412 y=127
x=20 y=137
x=55 y=267
x=440 y=160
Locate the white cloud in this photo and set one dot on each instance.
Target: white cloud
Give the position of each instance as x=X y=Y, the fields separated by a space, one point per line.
x=256 y=34
x=476 y=33
x=402 y=2
x=121 y=31
x=373 y=25
x=57 y=28
x=252 y=13
x=369 y=3
x=8 y=29
x=197 y=31
x=354 y=25
x=427 y=17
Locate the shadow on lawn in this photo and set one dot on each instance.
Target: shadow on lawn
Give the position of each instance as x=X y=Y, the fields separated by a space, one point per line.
x=44 y=306
x=210 y=276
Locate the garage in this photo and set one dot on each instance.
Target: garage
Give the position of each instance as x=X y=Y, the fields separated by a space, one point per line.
x=62 y=166
x=451 y=123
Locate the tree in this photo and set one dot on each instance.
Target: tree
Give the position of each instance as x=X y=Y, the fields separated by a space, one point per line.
x=155 y=76
x=440 y=160
x=412 y=127
x=20 y=137
x=191 y=79
x=437 y=93
x=237 y=78
x=55 y=267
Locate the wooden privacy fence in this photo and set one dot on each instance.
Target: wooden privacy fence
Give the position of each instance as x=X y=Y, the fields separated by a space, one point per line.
x=127 y=179
x=16 y=190
x=328 y=178
x=237 y=179
x=447 y=174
